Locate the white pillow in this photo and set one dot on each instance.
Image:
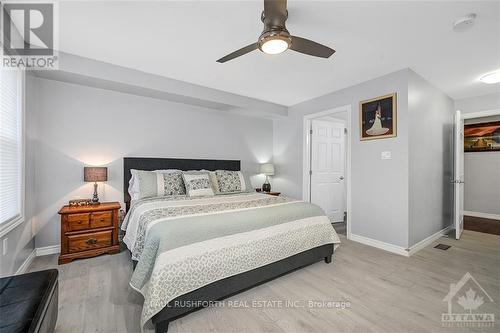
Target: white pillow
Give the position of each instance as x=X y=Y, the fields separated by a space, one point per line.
x=197 y=183
x=133 y=186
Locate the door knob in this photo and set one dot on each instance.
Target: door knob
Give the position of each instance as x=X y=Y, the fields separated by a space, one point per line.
x=341 y=177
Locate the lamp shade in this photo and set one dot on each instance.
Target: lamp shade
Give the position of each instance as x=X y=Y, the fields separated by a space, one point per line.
x=267 y=169
x=95 y=174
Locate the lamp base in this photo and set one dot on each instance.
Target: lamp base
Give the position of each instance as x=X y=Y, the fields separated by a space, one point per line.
x=266 y=187
x=95 y=198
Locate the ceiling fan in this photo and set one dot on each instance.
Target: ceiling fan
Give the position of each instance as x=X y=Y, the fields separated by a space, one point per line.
x=276 y=39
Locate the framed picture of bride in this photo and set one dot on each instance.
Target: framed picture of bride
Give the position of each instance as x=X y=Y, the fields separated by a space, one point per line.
x=377 y=117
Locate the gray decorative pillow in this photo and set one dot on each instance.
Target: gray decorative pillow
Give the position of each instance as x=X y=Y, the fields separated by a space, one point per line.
x=230 y=181
x=146 y=184
x=173 y=183
x=197 y=183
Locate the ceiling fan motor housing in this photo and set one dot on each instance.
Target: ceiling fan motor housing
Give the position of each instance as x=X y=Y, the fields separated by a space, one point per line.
x=274 y=28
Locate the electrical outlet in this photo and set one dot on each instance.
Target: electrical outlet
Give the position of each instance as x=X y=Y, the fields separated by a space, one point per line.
x=5 y=246
x=386 y=155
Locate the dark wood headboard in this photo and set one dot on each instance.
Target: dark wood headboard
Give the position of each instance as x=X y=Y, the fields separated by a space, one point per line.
x=148 y=163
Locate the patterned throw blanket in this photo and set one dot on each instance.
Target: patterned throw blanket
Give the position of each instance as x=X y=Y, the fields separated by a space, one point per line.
x=183 y=243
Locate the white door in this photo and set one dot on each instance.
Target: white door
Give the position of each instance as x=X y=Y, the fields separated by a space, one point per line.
x=327 y=167
x=459 y=175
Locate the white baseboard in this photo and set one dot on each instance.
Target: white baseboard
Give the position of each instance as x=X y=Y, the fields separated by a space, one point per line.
x=379 y=244
x=44 y=251
x=39 y=251
x=483 y=215
x=24 y=267
x=429 y=240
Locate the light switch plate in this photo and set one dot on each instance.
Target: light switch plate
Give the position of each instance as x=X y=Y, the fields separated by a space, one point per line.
x=386 y=155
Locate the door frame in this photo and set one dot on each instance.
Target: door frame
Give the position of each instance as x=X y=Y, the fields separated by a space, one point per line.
x=463 y=116
x=306 y=155
x=458 y=178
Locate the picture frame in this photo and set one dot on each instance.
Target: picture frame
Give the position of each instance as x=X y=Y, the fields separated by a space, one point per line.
x=482 y=137
x=378 y=117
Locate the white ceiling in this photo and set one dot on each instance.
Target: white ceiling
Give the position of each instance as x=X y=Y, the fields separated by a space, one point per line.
x=182 y=40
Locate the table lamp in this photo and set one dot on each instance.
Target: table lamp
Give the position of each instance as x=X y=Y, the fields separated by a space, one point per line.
x=95 y=174
x=268 y=170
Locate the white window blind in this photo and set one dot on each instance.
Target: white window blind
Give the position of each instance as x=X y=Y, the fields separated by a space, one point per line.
x=11 y=146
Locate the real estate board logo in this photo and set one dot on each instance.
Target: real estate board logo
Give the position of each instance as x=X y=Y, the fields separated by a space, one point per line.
x=465 y=299
x=28 y=35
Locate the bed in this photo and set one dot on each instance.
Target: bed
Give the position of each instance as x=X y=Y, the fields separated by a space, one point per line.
x=188 y=252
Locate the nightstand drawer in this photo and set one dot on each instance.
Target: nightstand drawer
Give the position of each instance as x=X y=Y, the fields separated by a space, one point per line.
x=78 y=222
x=89 y=241
x=101 y=219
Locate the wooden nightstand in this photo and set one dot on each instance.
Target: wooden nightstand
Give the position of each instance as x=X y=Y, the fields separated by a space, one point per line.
x=88 y=231
x=276 y=194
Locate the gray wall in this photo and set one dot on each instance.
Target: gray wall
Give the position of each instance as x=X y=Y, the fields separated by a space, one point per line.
x=379 y=187
x=479 y=103
x=399 y=201
x=482 y=182
x=431 y=158
x=79 y=126
x=20 y=239
x=480 y=120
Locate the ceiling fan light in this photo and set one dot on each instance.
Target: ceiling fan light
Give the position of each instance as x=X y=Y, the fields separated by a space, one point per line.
x=274 y=46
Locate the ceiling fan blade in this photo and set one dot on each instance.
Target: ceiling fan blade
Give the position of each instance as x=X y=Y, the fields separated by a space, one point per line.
x=309 y=47
x=238 y=53
x=275 y=13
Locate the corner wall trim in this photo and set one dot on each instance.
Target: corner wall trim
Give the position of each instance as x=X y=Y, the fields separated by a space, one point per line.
x=380 y=245
x=44 y=251
x=483 y=215
x=24 y=267
x=429 y=240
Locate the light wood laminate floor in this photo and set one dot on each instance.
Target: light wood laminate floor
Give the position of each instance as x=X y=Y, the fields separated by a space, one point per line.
x=387 y=292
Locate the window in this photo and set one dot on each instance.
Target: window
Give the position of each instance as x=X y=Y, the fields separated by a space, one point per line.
x=11 y=150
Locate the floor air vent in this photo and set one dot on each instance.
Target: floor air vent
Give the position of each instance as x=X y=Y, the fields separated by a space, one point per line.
x=442 y=246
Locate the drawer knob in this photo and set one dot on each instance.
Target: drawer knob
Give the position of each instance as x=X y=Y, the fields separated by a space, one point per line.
x=101 y=220
x=91 y=241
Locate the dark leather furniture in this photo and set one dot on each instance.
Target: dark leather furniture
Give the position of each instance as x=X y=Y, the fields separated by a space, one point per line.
x=28 y=302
